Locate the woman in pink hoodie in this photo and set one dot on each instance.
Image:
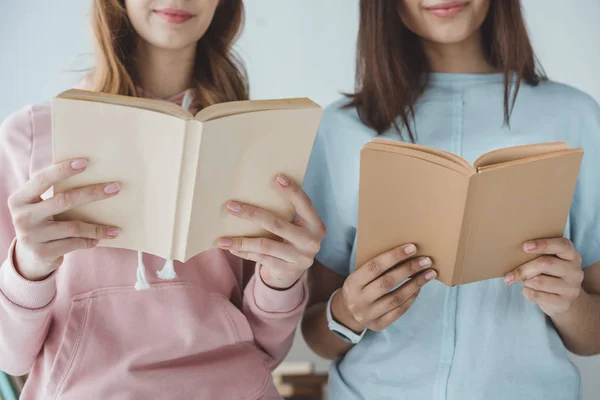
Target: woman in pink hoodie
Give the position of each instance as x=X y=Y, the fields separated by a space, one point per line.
x=69 y=314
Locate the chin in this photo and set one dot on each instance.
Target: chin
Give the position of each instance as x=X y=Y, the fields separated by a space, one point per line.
x=449 y=35
x=173 y=42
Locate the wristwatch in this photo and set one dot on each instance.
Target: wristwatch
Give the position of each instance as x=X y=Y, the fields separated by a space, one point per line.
x=340 y=330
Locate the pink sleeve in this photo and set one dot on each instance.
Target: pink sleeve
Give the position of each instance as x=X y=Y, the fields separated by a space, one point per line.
x=24 y=305
x=274 y=315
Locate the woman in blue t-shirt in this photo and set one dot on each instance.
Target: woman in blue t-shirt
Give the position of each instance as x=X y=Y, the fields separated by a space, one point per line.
x=461 y=77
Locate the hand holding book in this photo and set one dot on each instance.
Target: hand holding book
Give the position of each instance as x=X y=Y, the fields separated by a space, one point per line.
x=42 y=242
x=284 y=261
x=553 y=280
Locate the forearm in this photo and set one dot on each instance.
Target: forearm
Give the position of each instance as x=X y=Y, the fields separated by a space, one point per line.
x=273 y=315
x=318 y=336
x=25 y=312
x=579 y=328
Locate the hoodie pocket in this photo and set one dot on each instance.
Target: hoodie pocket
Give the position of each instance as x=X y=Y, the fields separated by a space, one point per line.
x=175 y=340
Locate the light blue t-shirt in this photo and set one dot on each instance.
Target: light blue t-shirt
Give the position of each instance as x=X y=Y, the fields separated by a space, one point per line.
x=477 y=341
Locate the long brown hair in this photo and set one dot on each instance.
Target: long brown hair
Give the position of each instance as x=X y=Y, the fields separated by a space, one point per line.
x=218 y=71
x=392 y=70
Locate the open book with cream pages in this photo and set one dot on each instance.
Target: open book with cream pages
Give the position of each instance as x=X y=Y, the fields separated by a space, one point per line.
x=178 y=170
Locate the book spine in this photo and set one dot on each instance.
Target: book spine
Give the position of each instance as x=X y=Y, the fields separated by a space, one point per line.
x=185 y=189
x=465 y=230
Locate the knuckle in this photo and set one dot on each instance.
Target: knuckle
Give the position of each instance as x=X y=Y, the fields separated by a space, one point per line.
x=12 y=202
x=413 y=267
x=314 y=245
x=248 y=211
x=376 y=326
x=374 y=267
x=277 y=224
x=21 y=218
x=98 y=231
x=64 y=200
x=265 y=245
x=386 y=282
x=580 y=276
x=398 y=254
x=322 y=230
x=397 y=300
x=73 y=228
x=565 y=242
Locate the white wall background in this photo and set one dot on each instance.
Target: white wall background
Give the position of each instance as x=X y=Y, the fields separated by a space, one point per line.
x=292 y=48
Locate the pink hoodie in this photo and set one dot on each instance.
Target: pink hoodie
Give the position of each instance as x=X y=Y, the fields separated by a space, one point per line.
x=215 y=332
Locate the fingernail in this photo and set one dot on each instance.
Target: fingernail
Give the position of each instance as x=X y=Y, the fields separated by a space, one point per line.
x=225 y=242
x=410 y=249
x=425 y=262
x=79 y=164
x=234 y=207
x=529 y=246
x=509 y=278
x=430 y=275
x=112 y=188
x=113 y=232
x=283 y=181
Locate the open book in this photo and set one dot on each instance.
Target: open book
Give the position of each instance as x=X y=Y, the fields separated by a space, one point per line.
x=471 y=220
x=177 y=170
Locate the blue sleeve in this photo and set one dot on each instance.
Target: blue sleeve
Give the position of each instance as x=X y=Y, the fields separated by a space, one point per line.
x=585 y=210
x=323 y=188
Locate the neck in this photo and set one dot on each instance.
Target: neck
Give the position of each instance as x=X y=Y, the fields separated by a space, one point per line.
x=164 y=73
x=466 y=57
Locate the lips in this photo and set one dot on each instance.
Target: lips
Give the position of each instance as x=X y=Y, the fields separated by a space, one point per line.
x=448 y=9
x=174 y=16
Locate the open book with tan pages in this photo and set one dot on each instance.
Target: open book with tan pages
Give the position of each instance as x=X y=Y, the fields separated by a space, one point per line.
x=472 y=220
x=177 y=170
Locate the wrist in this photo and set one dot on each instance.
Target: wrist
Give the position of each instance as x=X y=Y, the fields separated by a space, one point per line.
x=342 y=315
x=23 y=271
x=278 y=280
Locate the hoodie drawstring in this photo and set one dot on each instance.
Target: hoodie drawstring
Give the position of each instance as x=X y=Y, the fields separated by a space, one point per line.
x=168 y=270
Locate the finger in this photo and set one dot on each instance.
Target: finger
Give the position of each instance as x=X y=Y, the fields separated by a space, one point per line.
x=562 y=247
x=276 y=225
x=542 y=298
x=65 y=201
x=548 y=284
x=304 y=207
x=260 y=259
x=396 y=298
x=378 y=265
x=71 y=229
x=58 y=248
x=388 y=318
x=46 y=178
x=392 y=278
x=548 y=265
x=268 y=247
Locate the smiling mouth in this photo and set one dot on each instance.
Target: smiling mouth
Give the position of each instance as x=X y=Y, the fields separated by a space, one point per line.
x=173 y=16
x=448 y=9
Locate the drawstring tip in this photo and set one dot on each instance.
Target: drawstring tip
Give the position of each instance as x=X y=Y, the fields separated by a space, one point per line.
x=142 y=285
x=167 y=273
x=142 y=282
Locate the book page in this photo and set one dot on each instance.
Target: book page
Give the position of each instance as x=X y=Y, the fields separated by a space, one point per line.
x=160 y=106
x=426 y=152
x=404 y=200
x=514 y=204
x=517 y=153
x=240 y=157
x=226 y=109
x=139 y=148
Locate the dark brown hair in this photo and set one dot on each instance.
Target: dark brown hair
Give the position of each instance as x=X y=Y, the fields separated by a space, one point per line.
x=218 y=71
x=392 y=70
